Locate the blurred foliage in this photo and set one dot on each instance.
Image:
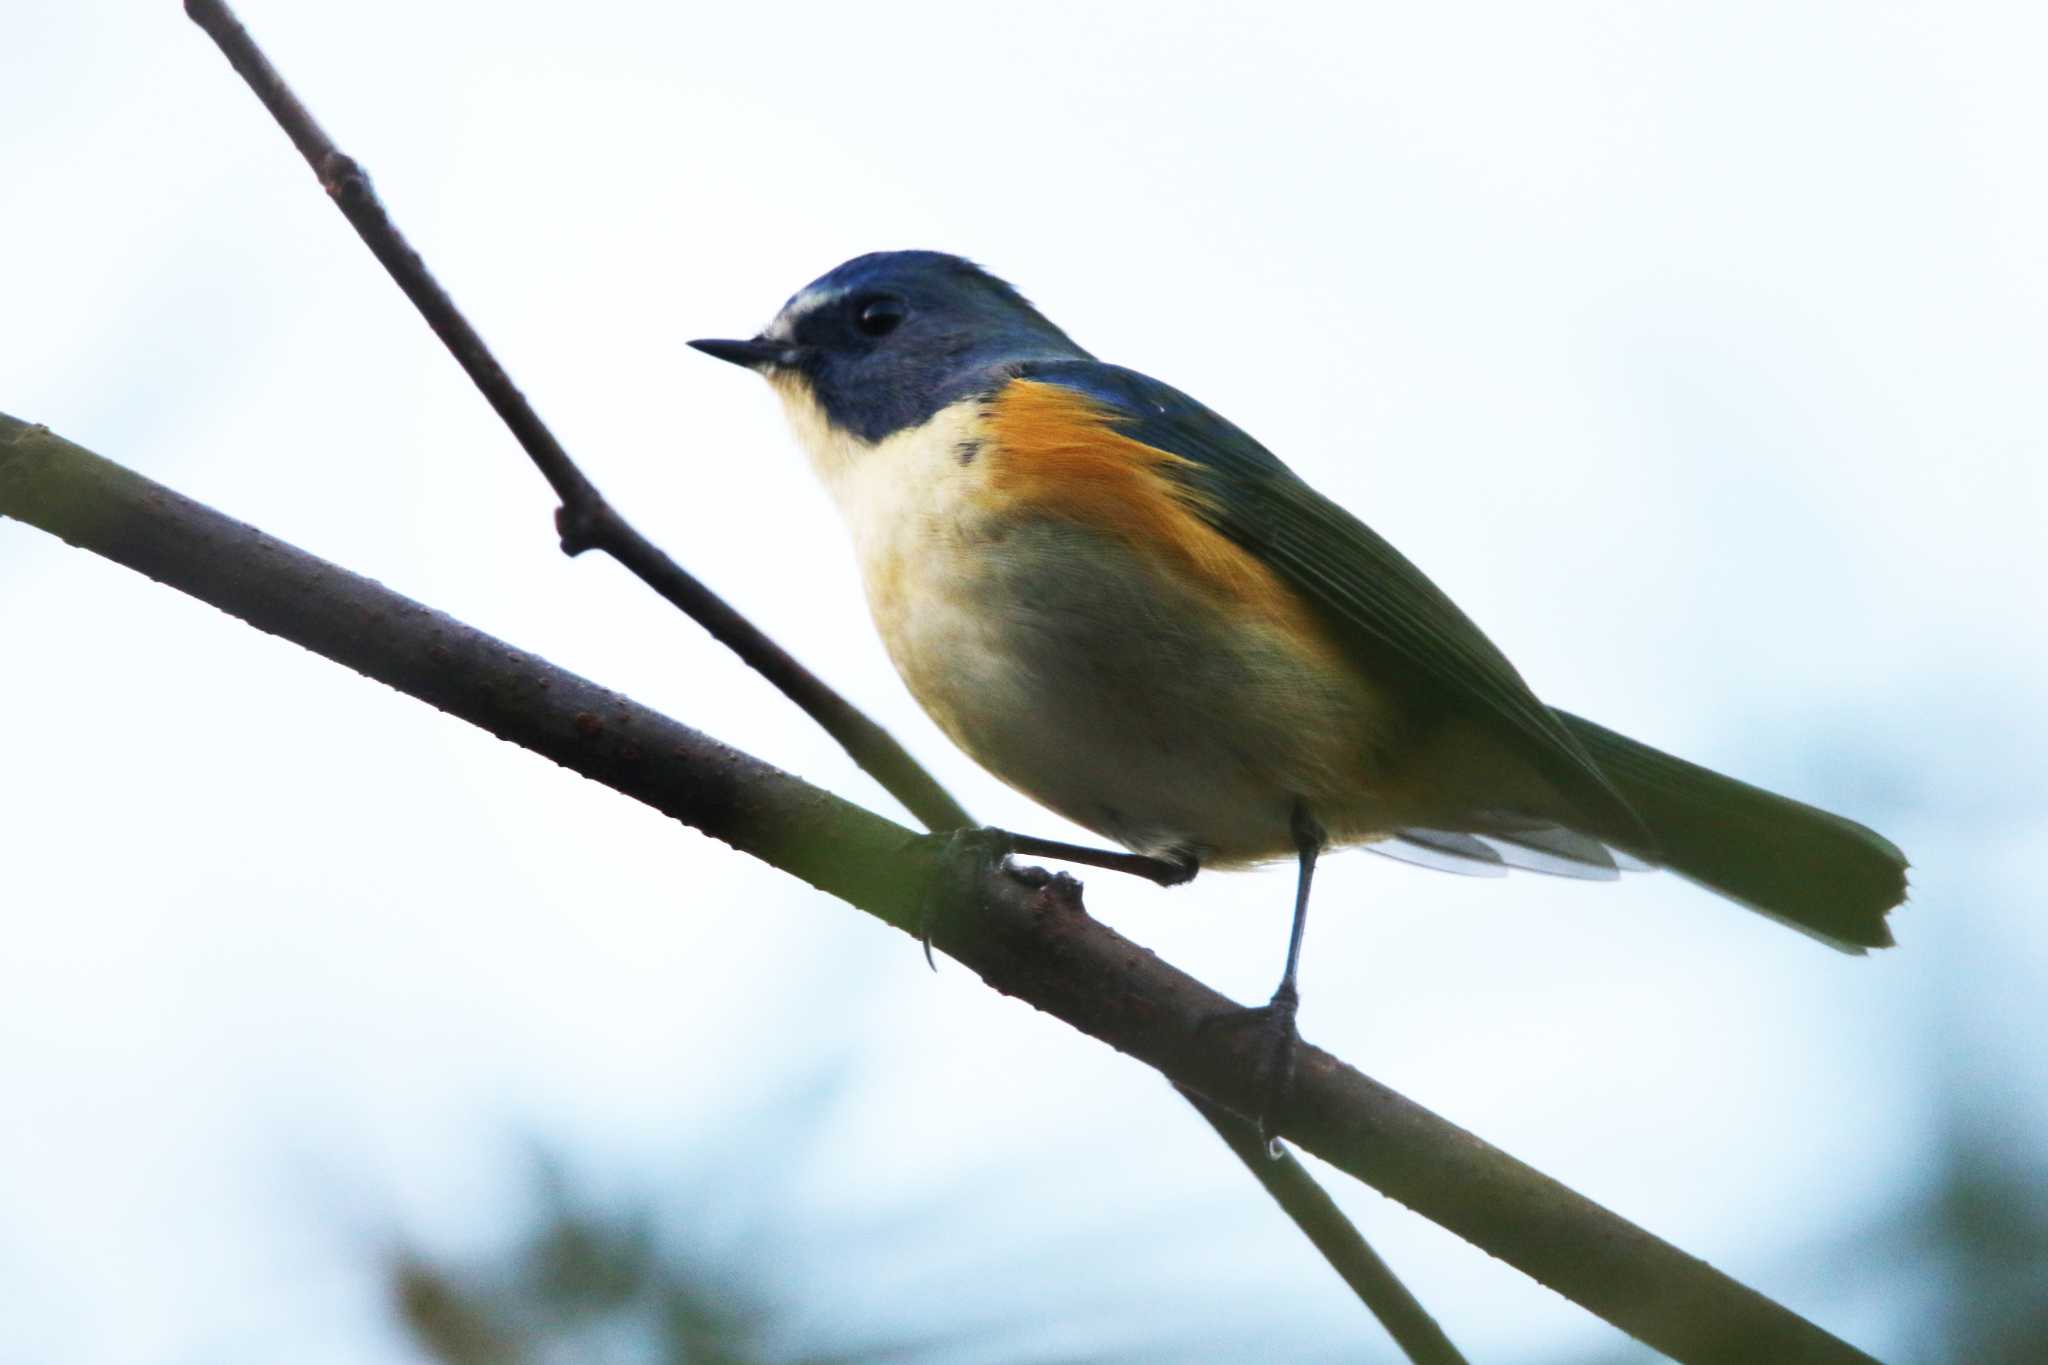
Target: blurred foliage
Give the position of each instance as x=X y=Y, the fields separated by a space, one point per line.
x=630 y=1285
x=585 y=1284
x=1968 y=1252
x=703 y=1272
x=1980 y=1238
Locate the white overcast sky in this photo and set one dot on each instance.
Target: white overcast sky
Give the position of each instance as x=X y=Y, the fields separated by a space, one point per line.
x=1697 y=350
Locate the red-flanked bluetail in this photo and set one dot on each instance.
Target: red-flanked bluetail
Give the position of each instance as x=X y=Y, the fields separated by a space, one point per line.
x=1131 y=611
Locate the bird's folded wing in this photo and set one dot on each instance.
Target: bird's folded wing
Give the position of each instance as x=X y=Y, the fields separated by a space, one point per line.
x=1379 y=603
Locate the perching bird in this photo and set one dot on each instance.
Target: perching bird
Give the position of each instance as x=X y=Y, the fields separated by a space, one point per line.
x=1132 y=612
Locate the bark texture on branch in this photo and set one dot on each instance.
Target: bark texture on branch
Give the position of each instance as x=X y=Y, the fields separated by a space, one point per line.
x=1033 y=941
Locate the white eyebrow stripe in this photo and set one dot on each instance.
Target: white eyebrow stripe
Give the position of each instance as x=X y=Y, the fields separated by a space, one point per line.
x=809 y=301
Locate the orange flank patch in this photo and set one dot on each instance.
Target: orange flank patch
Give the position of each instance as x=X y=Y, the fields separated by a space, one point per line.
x=1058 y=453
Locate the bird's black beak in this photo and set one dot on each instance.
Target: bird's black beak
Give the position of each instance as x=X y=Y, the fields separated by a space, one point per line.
x=757 y=354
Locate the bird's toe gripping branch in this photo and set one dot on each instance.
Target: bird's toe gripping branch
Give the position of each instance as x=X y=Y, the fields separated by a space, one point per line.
x=1275 y=1042
x=964 y=858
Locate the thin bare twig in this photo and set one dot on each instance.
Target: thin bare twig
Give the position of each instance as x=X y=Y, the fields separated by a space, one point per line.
x=1032 y=940
x=1312 y=1209
x=587 y=520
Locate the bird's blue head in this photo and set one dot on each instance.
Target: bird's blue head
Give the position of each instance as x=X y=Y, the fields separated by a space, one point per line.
x=887 y=339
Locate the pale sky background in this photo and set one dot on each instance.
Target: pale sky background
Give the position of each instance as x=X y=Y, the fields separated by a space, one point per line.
x=1698 y=351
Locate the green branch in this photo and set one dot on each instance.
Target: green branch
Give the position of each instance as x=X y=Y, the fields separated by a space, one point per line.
x=1031 y=939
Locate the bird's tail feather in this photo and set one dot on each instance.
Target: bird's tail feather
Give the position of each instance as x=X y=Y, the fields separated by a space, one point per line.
x=1819 y=873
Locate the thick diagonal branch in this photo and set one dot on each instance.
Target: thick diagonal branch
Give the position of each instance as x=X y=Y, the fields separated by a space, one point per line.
x=1036 y=943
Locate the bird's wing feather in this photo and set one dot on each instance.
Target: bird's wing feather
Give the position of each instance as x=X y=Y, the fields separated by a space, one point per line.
x=1382 y=605
x=1442 y=851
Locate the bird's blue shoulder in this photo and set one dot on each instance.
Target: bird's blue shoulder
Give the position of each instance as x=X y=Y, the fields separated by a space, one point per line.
x=1158 y=415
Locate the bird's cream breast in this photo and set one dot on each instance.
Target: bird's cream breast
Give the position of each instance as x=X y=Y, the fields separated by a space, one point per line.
x=917 y=506
x=1117 y=682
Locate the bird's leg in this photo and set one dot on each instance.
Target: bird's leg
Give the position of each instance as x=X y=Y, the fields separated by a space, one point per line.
x=1275 y=1019
x=1165 y=871
x=969 y=852
x=1276 y=1071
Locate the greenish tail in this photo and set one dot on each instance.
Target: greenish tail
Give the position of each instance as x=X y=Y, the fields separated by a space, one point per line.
x=1819 y=873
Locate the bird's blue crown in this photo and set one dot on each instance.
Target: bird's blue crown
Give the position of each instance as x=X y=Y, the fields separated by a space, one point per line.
x=890 y=338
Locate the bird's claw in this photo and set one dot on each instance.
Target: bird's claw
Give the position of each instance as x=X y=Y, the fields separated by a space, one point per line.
x=1277 y=1043
x=964 y=855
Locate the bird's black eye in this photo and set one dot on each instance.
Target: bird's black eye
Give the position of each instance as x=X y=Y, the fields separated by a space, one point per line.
x=877 y=317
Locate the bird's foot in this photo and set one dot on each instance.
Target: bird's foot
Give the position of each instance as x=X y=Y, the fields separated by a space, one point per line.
x=964 y=857
x=1275 y=1041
